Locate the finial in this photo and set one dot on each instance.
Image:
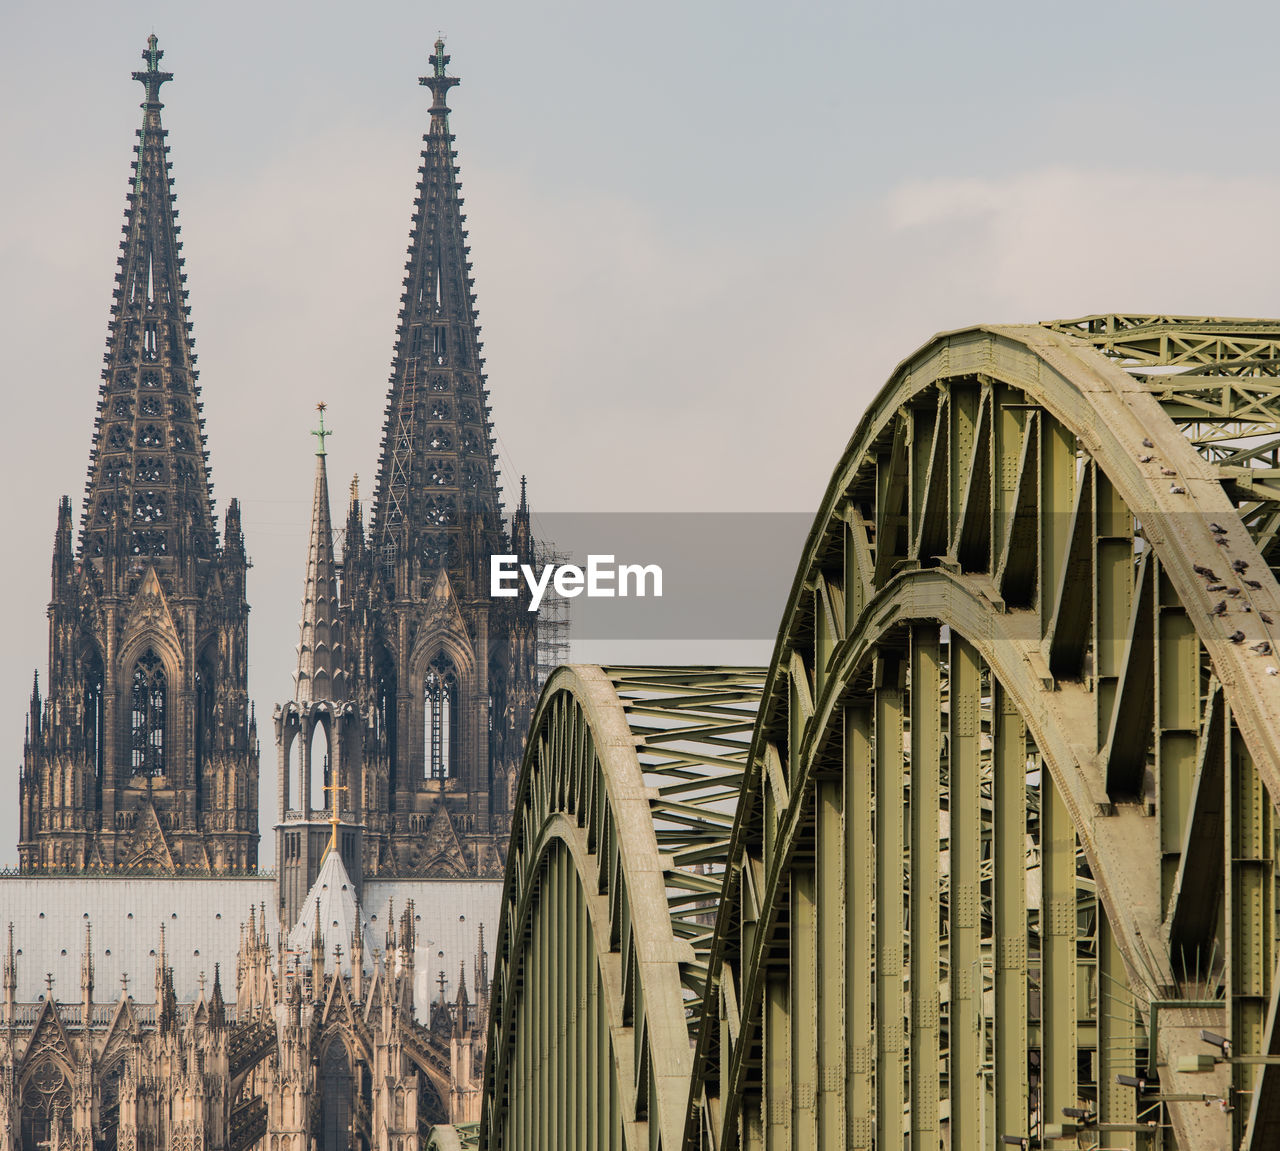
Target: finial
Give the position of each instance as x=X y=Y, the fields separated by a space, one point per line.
x=333 y=819
x=438 y=82
x=48 y=982
x=524 y=493
x=355 y=488
x=152 y=78
x=443 y=980
x=321 y=432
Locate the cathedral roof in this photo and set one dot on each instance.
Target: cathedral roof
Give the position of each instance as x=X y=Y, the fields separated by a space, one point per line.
x=320 y=675
x=148 y=491
x=331 y=903
x=437 y=478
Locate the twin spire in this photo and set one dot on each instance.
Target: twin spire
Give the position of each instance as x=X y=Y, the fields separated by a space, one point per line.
x=148 y=495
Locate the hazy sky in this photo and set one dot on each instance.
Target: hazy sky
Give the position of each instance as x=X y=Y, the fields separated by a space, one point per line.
x=703 y=233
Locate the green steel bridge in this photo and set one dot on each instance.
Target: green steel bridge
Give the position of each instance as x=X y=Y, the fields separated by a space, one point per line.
x=986 y=857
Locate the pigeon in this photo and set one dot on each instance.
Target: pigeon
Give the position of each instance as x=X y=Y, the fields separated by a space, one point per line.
x=1221 y=541
x=1218 y=529
x=1239 y=566
x=1246 y=607
x=1144 y=459
x=1262 y=615
x=1233 y=592
x=1201 y=570
x=1262 y=648
x=1175 y=490
x=1253 y=583
x=1236 y=637
x=1168 y=472
x=1147 y=443
x=1216 y=587
x=1273 y=671
x=1220 y=608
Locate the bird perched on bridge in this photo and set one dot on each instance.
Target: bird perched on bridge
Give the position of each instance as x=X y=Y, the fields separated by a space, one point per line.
x=1239 y=566
x=1177 y=490
x=1233 y=592
x=1262 y=648
x=1253 y=583
x=1220 y=608
x=1201 y=570
x=1216 y=587
x=1144 y=459
x=1262 y=615
x=1168 y=472
x=1236 y=637
x=1147 y=443
x=1218 y=529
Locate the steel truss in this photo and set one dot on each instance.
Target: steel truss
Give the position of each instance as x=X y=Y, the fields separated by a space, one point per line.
x=1005 y=842
x=621 y=828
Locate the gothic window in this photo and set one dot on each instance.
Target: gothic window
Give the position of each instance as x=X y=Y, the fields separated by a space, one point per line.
x=113 y=470
x=435 y=551
x=150 y=379
x=150 y=406
x=182 y=439
x=439 y=472
x=151 y=436
x=118 y=437
x=180 y=409
x=93 y=713
x=150 y=348
x=186 y=472
x=122 y=407
x=148 y=543
x=335 y=1098
x=179 y=382
x=151 y=469
x=472 y=475
x=385 y=703
x=438 y=440
x=204 y=723
x=440 y=719
x=469 y=413
x=439 y=344
x=441 y=511
x=46 y=1103
x=439 y=384
x=148 y=507
x=147 y=716
x=440 y=409
x=470 y=443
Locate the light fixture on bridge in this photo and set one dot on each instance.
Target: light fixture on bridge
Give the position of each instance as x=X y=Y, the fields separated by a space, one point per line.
x=1214 y=1040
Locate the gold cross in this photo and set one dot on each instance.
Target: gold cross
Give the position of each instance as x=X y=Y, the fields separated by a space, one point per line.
x=333 y=813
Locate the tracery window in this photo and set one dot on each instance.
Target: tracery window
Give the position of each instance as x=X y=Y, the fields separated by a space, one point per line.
x=46 y=1102
x=440 y=719
x=147 y=716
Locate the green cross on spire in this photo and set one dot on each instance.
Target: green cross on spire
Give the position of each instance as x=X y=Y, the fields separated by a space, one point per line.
x=321 y=431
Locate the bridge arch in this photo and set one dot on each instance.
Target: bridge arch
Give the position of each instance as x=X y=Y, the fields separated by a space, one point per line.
x=621 y=823
x=1011 y=797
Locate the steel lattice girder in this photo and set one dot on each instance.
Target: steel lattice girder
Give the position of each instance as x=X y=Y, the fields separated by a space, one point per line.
x=1011 y=543
x=620 y=832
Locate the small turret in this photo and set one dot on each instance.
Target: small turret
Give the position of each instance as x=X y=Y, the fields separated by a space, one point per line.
x=86 y=979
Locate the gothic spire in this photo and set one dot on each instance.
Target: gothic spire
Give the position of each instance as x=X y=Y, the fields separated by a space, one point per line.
x=148 y=485
x=437 y=472
x=320 y=674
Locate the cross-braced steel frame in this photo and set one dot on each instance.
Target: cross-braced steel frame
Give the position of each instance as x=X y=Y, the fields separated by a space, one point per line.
x=622 y=823
x=1005 y=841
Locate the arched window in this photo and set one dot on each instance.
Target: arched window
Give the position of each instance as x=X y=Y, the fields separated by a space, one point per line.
x=440 y=719
x=147 y=716
x=46 y=1104
x=335 y=1098
x=93 y=713
x=204 y=724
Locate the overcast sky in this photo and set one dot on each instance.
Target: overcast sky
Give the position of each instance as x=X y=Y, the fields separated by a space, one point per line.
x=703 y=234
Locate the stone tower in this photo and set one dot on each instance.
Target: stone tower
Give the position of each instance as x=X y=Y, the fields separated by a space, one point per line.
x=142 y=755
x=443 y=673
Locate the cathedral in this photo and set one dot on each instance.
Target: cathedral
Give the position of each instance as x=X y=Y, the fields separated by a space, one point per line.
x=339 y=1001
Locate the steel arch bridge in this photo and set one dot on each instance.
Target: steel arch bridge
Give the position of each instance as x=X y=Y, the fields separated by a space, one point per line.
x=991 y=842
